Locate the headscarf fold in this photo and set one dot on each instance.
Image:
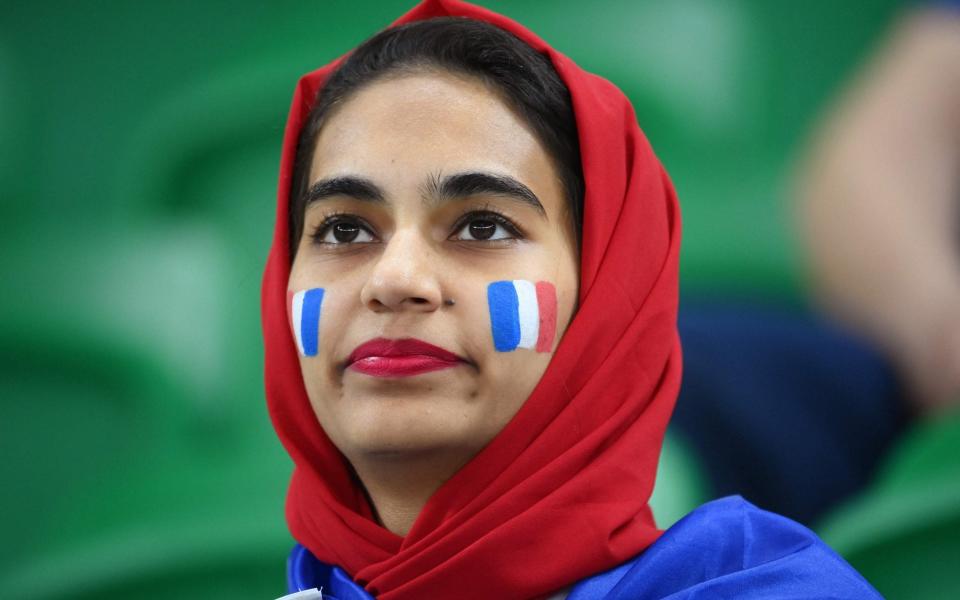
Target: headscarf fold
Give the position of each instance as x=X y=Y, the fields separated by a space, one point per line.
x=562 y=492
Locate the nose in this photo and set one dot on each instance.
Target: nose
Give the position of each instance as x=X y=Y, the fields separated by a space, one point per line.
x=404 y=277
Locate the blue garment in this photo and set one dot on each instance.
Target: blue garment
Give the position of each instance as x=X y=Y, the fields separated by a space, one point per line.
x=727 y=548
x=783 y=407
x=305 y=572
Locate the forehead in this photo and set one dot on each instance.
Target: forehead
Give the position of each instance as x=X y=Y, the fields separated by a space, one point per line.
x=398 y=130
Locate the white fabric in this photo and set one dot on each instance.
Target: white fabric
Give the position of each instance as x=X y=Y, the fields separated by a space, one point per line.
x=311 y=594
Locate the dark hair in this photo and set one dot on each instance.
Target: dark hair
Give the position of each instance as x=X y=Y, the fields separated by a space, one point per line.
x=525 y=78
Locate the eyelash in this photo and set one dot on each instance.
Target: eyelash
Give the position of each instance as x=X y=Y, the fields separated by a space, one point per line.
x=486 y=213
x=492 y=215
x=332 y=219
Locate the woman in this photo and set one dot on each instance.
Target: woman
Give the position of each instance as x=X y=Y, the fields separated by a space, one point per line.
x=471 y=352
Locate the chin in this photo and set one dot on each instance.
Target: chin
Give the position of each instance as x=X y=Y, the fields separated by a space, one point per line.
x=398 y=429
x=379 y=418
x=408 y=426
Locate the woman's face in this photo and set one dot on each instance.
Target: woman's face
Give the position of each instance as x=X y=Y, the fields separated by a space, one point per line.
x=426 y=188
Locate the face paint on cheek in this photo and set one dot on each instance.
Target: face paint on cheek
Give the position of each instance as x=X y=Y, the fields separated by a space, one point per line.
x=304 y=312
x=523 y=314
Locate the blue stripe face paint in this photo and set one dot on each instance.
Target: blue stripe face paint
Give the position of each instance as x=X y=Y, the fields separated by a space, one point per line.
x=305 y=319
x=504 y=315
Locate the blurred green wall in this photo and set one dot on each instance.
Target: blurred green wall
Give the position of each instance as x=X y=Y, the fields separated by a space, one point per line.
x=139 y=144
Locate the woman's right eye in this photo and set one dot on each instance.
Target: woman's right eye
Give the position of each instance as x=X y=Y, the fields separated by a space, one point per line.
x=342 y=231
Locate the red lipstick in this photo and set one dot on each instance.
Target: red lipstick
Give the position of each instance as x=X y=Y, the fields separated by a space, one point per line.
x=400 y=358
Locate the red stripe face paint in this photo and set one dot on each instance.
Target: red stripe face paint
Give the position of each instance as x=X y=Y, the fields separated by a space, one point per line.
x=547 y=302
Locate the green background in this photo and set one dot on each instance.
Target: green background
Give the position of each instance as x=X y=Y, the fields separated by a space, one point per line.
x=139 y=145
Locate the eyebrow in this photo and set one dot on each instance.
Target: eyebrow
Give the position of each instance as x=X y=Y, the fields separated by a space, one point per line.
x=436 y=189
x=476 y=183
x=351 y=186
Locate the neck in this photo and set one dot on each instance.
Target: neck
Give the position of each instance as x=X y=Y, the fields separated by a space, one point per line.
x=399 y=486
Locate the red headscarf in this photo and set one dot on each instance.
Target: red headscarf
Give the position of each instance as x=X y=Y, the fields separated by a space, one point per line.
x=561 y=493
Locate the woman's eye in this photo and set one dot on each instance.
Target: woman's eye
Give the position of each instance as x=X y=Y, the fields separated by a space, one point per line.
x=483 y=229
x=344 y=232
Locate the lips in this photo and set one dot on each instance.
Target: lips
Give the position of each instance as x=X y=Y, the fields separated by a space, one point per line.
x=400 y=358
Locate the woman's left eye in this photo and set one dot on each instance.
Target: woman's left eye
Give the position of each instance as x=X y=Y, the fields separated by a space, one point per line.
x=483 y=228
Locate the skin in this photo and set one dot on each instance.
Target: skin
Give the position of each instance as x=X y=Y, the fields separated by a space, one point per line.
x=878 y=203
x=405 y=436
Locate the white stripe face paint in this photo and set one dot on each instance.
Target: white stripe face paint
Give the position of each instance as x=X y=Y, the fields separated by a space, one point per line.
x=529 y=313
x=297 y=317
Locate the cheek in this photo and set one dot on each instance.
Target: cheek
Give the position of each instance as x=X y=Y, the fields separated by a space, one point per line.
x=316 y=318
x=567 y=278
x=568 y=298
x=318 y=331
x=317 y=306
x=520 y=335
x=313 y=319
x=304 y=309
x=523 y=315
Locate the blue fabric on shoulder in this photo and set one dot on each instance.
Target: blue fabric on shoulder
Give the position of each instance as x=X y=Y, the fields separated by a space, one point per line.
x=305 y=572
x=727 y=548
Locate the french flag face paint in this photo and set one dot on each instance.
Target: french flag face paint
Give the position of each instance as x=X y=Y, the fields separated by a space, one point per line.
x=523 y=314
x=304 y=307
